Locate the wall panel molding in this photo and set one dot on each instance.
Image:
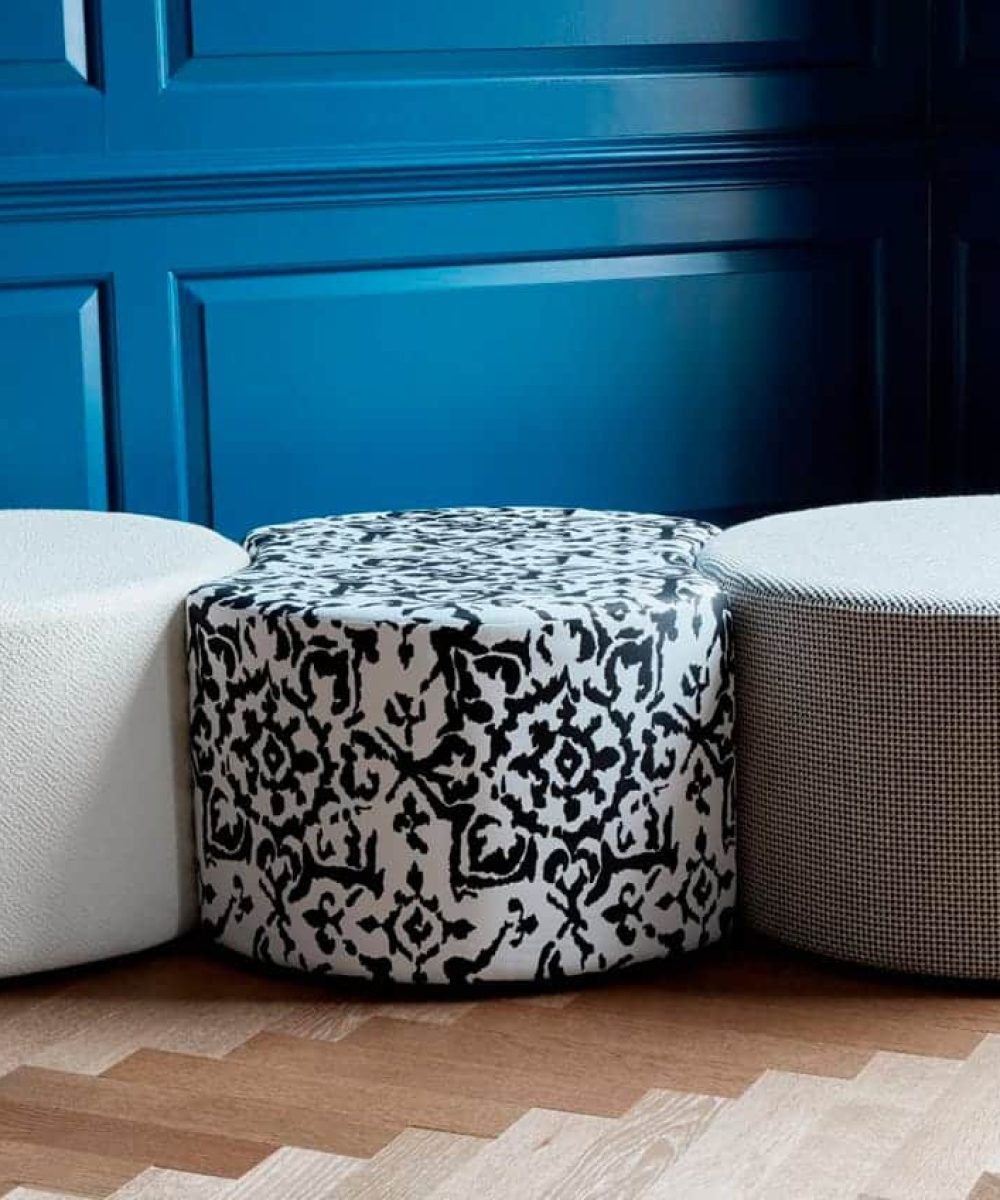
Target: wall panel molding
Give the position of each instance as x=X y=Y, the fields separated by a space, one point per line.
x=310 y=100
x=725 y=163
x=391 y=82
x=256 y=369
x=193 y=427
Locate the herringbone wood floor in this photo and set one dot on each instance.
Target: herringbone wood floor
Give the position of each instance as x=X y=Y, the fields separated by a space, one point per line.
x=745 y=1071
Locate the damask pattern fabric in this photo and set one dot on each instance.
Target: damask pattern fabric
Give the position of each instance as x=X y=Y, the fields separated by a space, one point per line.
x=449 y=746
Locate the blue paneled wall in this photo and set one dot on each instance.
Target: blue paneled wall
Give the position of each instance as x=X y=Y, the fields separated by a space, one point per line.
x=966 y=248
x=259 y=260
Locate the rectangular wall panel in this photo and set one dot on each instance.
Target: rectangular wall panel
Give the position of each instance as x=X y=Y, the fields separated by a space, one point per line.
x=385 y=26
x=43 y=42
x=395 y=81
x=633 y=381
x=55 y=409
x=49 y=69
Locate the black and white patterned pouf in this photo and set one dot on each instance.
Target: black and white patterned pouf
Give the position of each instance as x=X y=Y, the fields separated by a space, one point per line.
x=460 y=745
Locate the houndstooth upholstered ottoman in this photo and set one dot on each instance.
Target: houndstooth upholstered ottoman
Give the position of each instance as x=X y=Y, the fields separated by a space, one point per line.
x=868 y=680
x=463 y=745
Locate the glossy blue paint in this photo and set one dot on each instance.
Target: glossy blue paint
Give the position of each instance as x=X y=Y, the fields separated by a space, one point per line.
x=551 y=401
x=385 y=79
x=44 y=41
x=617 y=253
x=48 y=72
x=390 y=81
x=55 y=402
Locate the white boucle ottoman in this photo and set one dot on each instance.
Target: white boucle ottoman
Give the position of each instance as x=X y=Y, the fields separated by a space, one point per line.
x=867 y=642
x=95 y=822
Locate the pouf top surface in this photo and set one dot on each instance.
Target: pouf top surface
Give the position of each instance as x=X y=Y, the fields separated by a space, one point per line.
x=938 y=554
x=490 y=564
x=57 y=557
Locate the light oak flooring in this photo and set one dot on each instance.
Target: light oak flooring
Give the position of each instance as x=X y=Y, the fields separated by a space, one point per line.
x=740 y=1072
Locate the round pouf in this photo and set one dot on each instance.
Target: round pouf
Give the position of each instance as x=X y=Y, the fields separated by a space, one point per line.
x=868 y=690
x=96 y=854
x=454 y=746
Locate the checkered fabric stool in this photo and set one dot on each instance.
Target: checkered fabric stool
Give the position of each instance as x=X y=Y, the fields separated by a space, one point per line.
x=452 y=746
x=868 y=690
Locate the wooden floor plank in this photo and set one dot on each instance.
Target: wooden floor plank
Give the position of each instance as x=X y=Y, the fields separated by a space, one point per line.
x=294 y=1172
x=911 y=1081
x=872 y=1023
x=332 y=1020
x=151 y=1145
x=667 y=1054
x=750 y=1134
x=847 y=1143
x=639 y=1147
x=210 y=1028
x=410 y=1167
x=182 y=1001
x=302 y=1077
x=54 y=1167
x=158 y=1183
x=30 y=1193
x=955 y=1141
x=987 y=1187
x=526 y=1161
x=453 y=1060
x=29 y=1031
x=240 y=1118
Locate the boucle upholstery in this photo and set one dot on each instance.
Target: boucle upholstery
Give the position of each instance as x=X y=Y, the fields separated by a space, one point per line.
x=867 y=643
x=95 y=844
x=467 y=744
